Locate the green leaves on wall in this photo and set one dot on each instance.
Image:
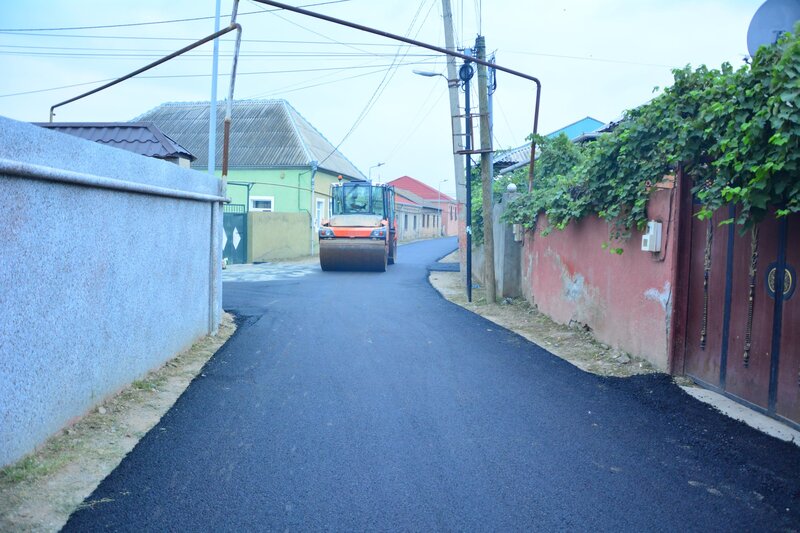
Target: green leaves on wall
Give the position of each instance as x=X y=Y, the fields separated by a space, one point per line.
x=735 y=132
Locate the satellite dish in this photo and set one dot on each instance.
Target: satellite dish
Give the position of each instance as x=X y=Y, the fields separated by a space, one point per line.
x=773 y=19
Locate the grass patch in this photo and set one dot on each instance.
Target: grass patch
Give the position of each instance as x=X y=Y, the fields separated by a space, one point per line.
x=32 y=467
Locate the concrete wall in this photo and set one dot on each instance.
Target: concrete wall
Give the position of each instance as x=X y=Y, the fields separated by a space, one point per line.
x=429 y=223
x=109 y=267
x=407 y=228
x=625 y=299
x=274 y=236
x=507 y=255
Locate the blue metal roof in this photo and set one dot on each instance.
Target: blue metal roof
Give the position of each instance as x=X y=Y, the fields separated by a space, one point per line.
x=578 y=128
x=521 y=155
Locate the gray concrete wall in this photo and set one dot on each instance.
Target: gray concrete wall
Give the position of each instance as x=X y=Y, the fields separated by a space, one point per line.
x=109 y=267
x=507 y=255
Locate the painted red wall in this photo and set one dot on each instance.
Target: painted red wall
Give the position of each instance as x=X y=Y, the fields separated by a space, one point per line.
x=625 y=299
x=450 y=227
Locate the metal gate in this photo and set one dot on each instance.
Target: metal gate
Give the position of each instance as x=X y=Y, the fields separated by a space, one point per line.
x=743 y=313
x=234 y=237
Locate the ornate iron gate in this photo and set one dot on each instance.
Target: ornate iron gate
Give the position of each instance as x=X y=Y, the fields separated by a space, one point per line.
x=234 y=238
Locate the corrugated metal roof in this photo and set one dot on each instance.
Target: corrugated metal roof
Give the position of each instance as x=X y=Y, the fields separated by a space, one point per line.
x=143 y=138
x=522 y=154
x=513 y=156
x=264 y=134
x=407 y=183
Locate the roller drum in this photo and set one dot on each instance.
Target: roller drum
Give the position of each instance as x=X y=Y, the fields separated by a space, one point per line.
x=353 y=254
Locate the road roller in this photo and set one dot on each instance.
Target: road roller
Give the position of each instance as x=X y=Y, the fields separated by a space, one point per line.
x=361 y=233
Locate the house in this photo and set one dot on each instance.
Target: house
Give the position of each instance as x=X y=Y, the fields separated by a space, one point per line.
x=416 y=218
x=280 y=172
x=514 y=158
x=438 y=213
x=409 y=214
x=143 y=138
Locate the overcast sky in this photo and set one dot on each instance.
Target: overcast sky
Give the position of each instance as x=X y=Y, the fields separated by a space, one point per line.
x=594 y=57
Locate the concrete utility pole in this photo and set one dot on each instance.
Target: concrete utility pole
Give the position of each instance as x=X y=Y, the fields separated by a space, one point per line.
x=455 y=124
x=486 y=172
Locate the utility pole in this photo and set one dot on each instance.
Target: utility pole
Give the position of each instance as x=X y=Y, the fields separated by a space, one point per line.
x=465 y=74
x=455 y=122
x=486 y=172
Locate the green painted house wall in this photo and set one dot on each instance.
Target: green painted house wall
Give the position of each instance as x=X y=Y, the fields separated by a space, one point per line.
x=290 y=187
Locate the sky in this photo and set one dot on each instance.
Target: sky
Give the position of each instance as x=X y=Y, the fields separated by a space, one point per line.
x=594 y=58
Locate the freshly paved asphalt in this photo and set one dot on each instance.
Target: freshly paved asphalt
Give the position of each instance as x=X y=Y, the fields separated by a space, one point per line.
x=365 y=401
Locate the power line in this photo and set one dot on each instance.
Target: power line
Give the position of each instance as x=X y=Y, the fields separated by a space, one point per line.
x=135 y=24
x=293 y=88
x=273 y=13
x=422 y=112
x=384 y=82
x=258 y=73
x=191 y=39
x=288 y=55
x=300 y=85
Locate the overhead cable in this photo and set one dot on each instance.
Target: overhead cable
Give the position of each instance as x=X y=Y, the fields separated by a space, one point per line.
x=258 y=73
x=152 y=23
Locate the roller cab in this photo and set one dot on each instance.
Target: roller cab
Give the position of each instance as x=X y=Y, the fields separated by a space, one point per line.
x=362 y=231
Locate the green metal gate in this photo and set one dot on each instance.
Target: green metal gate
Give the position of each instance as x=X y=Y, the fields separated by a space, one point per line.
x=234 y=238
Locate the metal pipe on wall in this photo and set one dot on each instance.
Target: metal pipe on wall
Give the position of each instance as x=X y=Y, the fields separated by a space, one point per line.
x=212 y=115
x=147 y=67
x=229 y=106
x=468 y=179
x=313 y=207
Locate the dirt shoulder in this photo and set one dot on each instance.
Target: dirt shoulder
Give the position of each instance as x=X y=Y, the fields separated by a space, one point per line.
x=39 y=492
x=573 y=344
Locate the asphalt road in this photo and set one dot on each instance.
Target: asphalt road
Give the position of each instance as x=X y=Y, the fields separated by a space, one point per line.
x=365 y=401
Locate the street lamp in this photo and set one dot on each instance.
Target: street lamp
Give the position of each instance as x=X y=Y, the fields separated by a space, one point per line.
x=369 y=173
x=429 y=74
x=439 y=189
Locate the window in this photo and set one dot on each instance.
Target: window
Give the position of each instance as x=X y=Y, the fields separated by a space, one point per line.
x=377 y=201
x=262 y=203
x=405 y=222
x=415 y=221
x=320 y=212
